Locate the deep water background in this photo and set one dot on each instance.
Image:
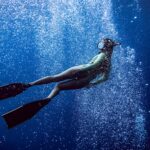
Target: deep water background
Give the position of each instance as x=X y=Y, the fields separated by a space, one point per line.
x=40 y=38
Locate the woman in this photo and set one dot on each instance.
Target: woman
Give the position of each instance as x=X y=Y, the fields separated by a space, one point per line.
x=86 y=75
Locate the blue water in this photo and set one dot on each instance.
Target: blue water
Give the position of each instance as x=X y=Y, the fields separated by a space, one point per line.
x=40 y=38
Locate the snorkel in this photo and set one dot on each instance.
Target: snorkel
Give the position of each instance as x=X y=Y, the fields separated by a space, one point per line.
x=116 y=43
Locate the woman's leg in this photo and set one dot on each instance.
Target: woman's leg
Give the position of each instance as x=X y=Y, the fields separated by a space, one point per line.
x=69 y=85
x=68 y=74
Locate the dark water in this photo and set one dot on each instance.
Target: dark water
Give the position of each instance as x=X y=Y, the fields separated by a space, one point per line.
x=39 y=38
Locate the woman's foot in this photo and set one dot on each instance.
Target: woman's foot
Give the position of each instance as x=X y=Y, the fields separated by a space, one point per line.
x=27 y=85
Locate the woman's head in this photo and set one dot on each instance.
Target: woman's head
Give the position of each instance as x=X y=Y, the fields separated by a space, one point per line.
x=107 y=43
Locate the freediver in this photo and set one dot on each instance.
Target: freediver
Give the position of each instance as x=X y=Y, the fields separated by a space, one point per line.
x=77 y=77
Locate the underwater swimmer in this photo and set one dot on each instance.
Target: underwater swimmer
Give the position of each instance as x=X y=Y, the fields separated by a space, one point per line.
x=77 y=77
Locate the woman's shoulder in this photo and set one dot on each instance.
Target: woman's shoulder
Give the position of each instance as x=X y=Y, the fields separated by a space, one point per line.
x=101 y=55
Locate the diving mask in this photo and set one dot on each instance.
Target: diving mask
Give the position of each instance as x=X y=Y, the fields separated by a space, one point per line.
x=101 y=45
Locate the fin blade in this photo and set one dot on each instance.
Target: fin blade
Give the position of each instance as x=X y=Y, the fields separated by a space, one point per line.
x=23 y=113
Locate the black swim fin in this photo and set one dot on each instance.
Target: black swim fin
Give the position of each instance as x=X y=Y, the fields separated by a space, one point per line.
x=12 y=90
x=24 y=112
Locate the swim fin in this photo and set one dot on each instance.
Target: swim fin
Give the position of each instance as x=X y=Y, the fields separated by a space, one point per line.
x=13 y=89
x=24 y=112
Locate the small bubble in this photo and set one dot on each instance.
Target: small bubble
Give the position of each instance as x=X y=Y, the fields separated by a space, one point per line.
x=135 y=17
